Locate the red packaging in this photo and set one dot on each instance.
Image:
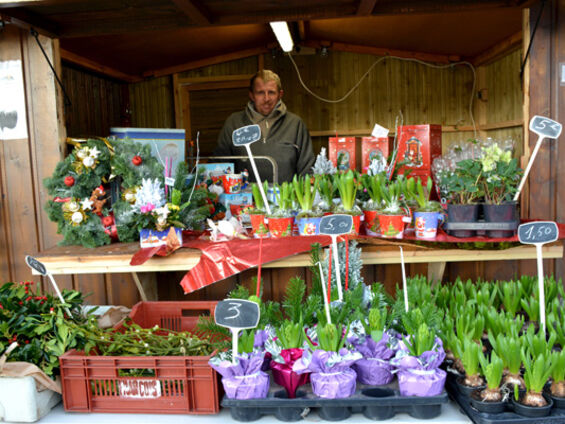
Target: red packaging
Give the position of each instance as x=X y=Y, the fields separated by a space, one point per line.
x=370 y=148
x=347 y=149
x=419 y=145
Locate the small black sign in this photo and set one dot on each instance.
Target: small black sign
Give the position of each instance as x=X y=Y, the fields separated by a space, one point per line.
x=246 y=135
x=237 y=313
x=545 y=126
x=334 y=225
x=539 y=232
x=35 y=264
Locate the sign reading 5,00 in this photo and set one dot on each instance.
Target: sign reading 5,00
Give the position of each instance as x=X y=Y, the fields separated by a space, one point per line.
x=334 y=225
x=538 y=232
x=237 y=313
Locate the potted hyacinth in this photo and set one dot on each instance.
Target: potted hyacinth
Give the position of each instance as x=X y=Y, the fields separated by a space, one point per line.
x=376 y=346
x=537 y=370
x=257 y=214
x=308 y=220
x=490 y=399
x=468 y=353
x=372 y=185
x=392 y=216
x=329 y=363
x=427 y=213
x=281 y=219
x=347 y=186
x=326 y=191
x=557 y=389
x=508 y=348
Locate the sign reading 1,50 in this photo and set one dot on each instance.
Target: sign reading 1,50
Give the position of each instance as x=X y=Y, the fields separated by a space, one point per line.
x=539 y=233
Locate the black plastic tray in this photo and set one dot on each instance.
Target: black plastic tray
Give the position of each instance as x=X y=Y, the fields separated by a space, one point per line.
x=557 y=415
x=481 y=225
x=374 y=402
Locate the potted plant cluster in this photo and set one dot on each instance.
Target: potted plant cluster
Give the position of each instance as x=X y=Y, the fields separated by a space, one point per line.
x=257 y=213
x=427 y=212
x=281 y=219
x=308 y=219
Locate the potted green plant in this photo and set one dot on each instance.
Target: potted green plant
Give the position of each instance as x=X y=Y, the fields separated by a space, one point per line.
x=308 y=220
x=499 y=182
x=557 y=389
x=347 y=185
x=393 y=216
x=280 y=221
x=469 y=354
x=257 y=214
x=490 y=399
x=427 y=213
x=508 y=348
x=326 y=190
x=537 y=370
x=372 y=185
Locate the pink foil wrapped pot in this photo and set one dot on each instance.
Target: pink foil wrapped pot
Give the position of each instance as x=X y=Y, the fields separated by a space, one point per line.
x=283 y=373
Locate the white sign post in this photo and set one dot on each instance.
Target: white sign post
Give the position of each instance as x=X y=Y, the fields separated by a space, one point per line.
x=245 y=136
x=404 y=285
x=544 y=128
x=333 y=226
x=539 y=233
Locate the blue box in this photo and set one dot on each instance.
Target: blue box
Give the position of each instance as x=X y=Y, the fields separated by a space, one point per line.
x=164 y=142
x=152 y=238
x=243 y=198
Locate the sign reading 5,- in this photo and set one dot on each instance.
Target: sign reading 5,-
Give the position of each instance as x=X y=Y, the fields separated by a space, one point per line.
x=237 y=313
x=545 y=126
x=538 y=232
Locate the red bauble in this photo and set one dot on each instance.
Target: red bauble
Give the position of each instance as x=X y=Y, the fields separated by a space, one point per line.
x=107 y=221
x=137 y=160
x=69 y=181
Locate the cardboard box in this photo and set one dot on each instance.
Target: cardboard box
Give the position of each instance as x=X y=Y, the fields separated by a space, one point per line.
x=419 y=145
x=347 y=150
x=164 y=142
x=245 y=198
x=214 y=171
x=152 y=238
x=371 y=147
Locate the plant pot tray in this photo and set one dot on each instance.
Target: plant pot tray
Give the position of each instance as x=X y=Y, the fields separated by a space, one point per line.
x=482 y=225
x=557 y=415
x=374 y=402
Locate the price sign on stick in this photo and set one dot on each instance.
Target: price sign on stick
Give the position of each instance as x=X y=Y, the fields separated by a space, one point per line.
x=539 y=233
x=236 y=314
x=333 y=226
x=544 y=128
x=245 y=136
x=40 y=268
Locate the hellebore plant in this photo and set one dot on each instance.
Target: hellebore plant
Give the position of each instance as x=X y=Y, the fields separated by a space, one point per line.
x=492 y=370
x=500 y=175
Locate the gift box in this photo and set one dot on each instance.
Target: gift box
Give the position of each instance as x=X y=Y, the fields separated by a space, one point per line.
x=371 y=147
x=418 y=146
x=345 y=152
x=242 y=199
x=164 y=142
x=152 y=238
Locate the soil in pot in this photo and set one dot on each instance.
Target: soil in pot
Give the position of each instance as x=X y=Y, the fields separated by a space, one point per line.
x=462 y=213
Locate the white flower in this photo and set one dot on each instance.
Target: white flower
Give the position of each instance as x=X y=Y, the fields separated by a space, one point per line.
x=82 y=153
x=150 y=192
x=77 y=217
x=94 y=152
x=88 y=161
x=86 y=204
x=162 y=213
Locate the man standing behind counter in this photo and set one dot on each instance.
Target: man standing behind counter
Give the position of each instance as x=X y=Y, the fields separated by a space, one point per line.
x=284 y=136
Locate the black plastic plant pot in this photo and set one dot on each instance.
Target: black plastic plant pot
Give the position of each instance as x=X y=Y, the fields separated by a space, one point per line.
x=425 y=412
x=532 y=411
x=506 y=212
x=558 y=402
x=487 y=407
x=378 y=412
x=464 y=389
x=334 y=413
x=289 y=414
x=462 y=213
x=245 y=414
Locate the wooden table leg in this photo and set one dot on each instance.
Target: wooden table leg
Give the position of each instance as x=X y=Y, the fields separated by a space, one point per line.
x=147 y=285
x=435 y=272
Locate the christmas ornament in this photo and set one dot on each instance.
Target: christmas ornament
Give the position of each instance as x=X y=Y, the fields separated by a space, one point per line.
x=86 y=204
x=107 y=221
x=77 y=218
x=137 y=160
x=88 y=162
x=69 y=181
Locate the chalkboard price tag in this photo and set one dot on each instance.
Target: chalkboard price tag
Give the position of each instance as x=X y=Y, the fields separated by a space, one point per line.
x=246 y=135
x=335 y=225
x=545 y=127
x=539 y=232
x=36 y=265
x=237 y=313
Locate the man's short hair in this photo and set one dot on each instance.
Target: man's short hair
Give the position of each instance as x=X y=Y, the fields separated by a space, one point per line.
x=266 y=75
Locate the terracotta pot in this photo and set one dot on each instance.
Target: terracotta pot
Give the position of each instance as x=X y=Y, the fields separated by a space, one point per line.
x=280 y=227
x=258 y=225
x=371 y=223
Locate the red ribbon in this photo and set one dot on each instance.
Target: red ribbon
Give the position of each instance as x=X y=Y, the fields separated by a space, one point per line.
x=61 y=199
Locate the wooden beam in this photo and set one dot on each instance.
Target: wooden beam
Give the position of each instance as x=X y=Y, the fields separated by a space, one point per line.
x=29 y=3
x=96 y=67
x=195 y=11
x=366 y=7
x=514 y=42
x=381 y=51
x=27 y=20
x=444 y=6
x=214 y=60
x=215 y=78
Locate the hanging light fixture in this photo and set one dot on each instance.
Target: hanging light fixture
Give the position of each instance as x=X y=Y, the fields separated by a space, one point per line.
x=282 y=33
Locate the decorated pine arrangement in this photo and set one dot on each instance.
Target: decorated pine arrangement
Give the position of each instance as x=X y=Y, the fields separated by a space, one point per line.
x=79 y=187
x=323 y=166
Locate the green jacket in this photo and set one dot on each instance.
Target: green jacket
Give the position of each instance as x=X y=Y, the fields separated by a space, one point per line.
x=284 y=137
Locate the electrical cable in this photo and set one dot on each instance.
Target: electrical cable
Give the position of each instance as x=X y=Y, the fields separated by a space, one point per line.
x=431 y=65
x=531 y=40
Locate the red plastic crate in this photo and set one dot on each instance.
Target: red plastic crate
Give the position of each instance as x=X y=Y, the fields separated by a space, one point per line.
x=177 y=385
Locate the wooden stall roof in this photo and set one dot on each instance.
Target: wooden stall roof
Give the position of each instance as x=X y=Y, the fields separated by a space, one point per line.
x=136 y=39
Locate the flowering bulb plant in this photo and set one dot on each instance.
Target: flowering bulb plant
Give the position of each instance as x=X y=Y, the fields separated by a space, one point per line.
x=500 y=175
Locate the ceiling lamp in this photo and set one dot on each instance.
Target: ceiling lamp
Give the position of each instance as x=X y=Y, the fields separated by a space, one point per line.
x=283 y=35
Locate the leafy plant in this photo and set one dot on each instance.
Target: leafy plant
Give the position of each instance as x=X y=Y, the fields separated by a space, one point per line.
x=462 y=185
x=291 y=334
x=469 y=355
x=530 y=305
x=558 y=373
x=537 y=344
x=284 y=195
x=331 y=337
x=327 y=189
x=416 y=191
x=501 y=322
x=421 y=341
x=392 y=204
x=510 y=295
x=257 y=197
x=305 y=192
x=500 y=175
x=292 y=302
x=376 y=323
x=347 y=187
x=372 y=184
x=537 y=370
x=246 y=341
x=492 y=370
x=508 y=348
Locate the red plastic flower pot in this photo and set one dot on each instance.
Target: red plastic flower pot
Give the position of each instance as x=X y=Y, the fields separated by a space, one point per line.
x=280 y=227
x=372 y=226
x=392 y=226
x=258 y=225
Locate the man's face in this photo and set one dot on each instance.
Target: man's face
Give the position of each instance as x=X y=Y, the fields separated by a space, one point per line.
x=265 y=95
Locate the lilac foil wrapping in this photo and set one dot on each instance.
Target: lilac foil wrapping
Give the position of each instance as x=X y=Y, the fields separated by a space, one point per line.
x=244 y=379
x=374 y=369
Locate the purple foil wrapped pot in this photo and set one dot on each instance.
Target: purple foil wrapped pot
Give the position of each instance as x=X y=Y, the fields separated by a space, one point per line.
x=244 y=379
x=374 y=369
